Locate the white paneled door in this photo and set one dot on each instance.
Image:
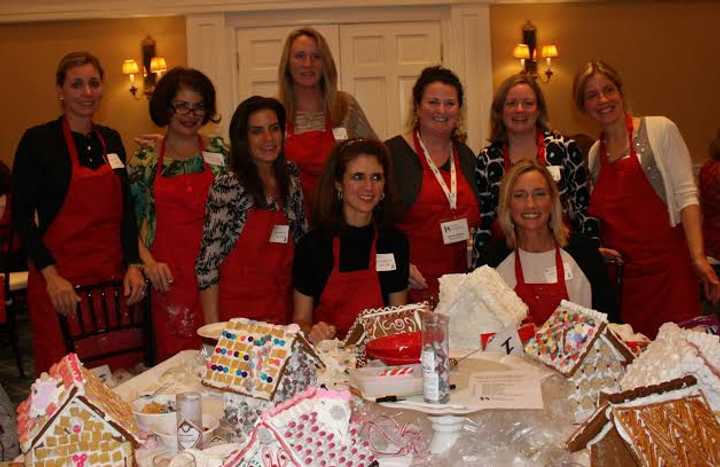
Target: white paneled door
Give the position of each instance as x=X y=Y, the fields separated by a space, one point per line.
x=380 y=63
x=377 y=63
x=259 y=52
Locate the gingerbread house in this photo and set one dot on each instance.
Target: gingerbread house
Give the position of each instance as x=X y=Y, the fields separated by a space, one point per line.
x=577 y=342
x=257 y=365
x=478 y=302
x=667 y=424
x=72 y=419
x=315 y=427
x=678 y=352
x=379 y=322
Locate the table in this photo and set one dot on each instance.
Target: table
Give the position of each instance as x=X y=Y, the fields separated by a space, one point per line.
x=488 y=437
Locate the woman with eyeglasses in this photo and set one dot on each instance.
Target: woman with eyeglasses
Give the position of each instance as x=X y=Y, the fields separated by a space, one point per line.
x=255 y=216
x=520 y=131
x=72 y=207
x=645 y=197
x=434 y=171
x=319 y=115
x=169 y=183
x=354 y=259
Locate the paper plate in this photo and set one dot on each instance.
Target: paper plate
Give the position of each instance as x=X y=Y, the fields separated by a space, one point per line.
x=212 y=331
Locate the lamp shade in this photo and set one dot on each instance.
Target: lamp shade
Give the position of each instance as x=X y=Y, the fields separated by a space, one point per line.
x=157 y=65
x=521 y=51
x=550 y=51
x=130 y=67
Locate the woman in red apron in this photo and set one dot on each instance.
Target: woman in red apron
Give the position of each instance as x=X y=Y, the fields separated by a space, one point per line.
x=434 y=170
x=318 y=113
x=254 y=218
x=354 y=259
x=646 y=200
x=169 y=184
x=536 y=256
x=520 y=131
x=71 y=173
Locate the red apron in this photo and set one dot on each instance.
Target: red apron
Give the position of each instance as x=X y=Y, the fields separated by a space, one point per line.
x=422 y=222
x=309 y=151
x=85 y=240
x=256 y=276
x=542 y=299
x=346 y=294
x=659 y=284
x=180 y=213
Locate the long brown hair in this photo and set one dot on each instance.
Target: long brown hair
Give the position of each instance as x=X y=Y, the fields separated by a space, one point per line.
x=328 y=206
x=335 y=107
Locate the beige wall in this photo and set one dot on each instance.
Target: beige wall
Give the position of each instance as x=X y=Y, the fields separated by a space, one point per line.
x=667 y=53
x=30 y=52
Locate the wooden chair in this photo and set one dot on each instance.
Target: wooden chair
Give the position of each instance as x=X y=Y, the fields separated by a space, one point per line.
x=8 y=300
x=104 y=329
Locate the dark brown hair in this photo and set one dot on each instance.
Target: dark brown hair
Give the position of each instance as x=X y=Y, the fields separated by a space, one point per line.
x=241 y=161
x=498 y=132
x=714 y=148
x=74 y=59
x=168 y=87
x=435 y=74
x=327 y=208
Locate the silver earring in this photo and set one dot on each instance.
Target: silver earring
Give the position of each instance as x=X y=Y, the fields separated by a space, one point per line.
x=382 y=196
x=339 y=195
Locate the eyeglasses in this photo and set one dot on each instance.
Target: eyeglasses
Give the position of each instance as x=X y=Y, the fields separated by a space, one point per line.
x=185 y=108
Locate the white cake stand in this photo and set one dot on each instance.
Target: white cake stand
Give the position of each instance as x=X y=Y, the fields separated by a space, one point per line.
x=447 y=420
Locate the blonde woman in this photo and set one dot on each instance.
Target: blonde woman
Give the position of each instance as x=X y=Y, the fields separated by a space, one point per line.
x=319 y=115
x=537 y=257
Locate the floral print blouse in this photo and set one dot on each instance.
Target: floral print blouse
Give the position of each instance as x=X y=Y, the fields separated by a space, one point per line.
x=142 y=169
x=225 y=217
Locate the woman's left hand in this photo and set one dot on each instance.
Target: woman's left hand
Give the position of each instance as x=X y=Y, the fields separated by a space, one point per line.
x=710 y=281
x=134 y=285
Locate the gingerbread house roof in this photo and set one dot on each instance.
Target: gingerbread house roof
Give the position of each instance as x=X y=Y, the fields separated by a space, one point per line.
x=378 y=322
x=250 y=357
x=315 y=427
x=53 y=391
x=478 y=302
x=675 y=353
x=665 y=424
x=568 y=336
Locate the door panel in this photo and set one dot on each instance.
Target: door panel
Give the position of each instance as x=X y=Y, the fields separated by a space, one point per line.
x=380 y=63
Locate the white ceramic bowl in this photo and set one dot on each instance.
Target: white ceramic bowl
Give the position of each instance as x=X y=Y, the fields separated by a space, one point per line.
x=151 y=422
x=169 y=438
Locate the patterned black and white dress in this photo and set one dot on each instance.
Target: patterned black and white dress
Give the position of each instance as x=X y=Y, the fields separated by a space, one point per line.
x=574 y=184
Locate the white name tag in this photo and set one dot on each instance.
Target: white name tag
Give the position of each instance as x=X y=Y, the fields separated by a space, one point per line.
x=340 y=134
x=551 y=273
x=214 y=158
x=506 y=341
x=114 y=161
x=555 y=172
x=385 y=262
x=280 y=234
x=455 y=231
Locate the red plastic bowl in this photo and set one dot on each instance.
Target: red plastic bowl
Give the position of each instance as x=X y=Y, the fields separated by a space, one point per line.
x=396 y=349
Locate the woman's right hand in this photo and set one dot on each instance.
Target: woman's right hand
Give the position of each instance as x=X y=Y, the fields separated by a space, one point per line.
x=149 y=140
x=321 y=331
x=60 y=290
x=159 y=274
x=416 y=279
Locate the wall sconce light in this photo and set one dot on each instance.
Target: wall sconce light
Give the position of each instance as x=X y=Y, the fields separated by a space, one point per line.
x=526 y=52
x=152 y=68
x=131 y=68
